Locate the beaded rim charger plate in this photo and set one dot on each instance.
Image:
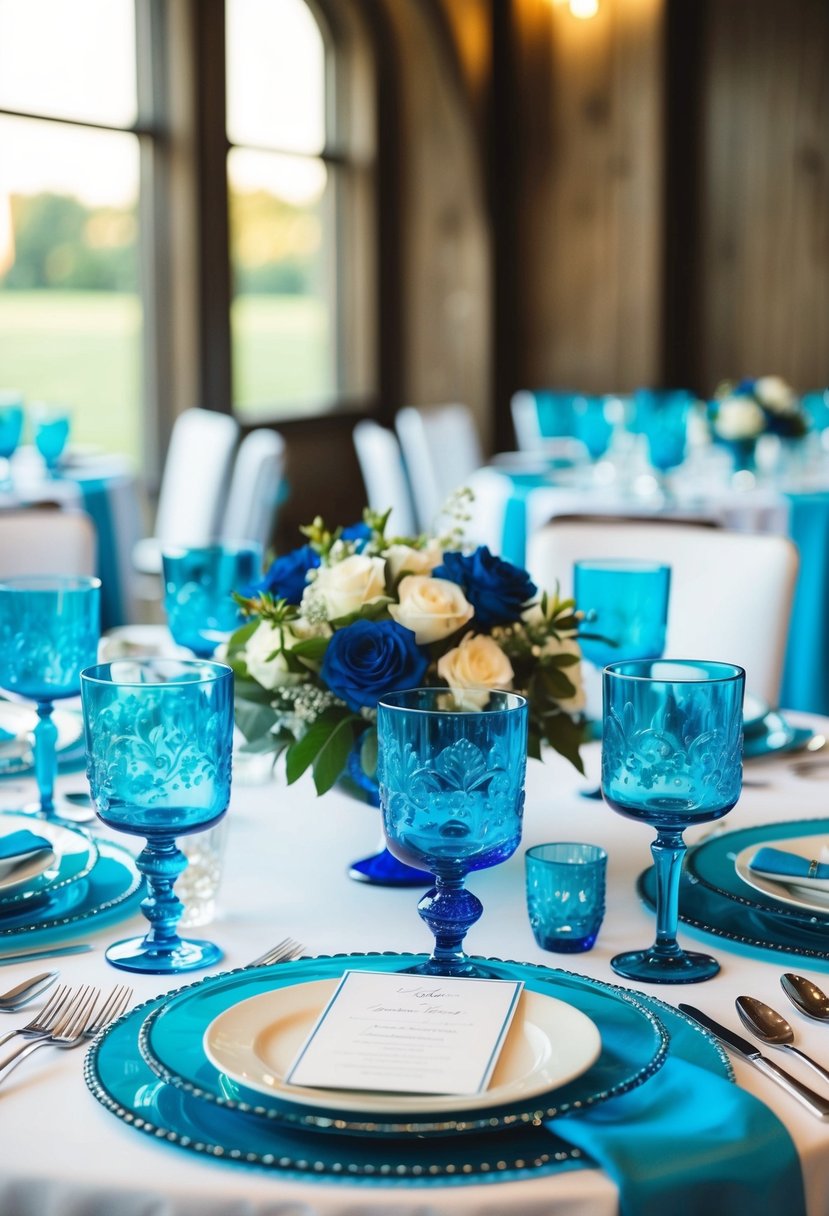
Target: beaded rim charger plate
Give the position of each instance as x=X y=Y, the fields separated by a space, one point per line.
x=255 y=1042
x=71 y=857
x=633 y=1047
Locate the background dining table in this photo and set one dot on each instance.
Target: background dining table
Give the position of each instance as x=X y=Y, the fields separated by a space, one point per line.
x=287 y=856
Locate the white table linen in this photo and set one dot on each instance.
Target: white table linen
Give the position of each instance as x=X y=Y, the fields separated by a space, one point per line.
x=63 y=1154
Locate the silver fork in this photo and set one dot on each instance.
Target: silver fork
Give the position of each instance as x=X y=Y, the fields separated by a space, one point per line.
x=44 y=1020
x=70 y=1031
x=282 y=952
x=112 y=1008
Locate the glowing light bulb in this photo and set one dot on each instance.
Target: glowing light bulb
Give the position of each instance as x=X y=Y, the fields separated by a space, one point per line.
x=584 y=8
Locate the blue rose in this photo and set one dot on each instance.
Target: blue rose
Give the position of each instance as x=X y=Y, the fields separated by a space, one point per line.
x=497 y=590
x=287 y=576
x=369 y=658
x=359 y=532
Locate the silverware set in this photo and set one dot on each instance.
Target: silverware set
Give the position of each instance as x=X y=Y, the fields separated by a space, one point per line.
x=772 y=1029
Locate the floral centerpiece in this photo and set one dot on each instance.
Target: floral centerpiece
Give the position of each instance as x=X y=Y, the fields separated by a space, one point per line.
x=741 y=413
x=353 y=614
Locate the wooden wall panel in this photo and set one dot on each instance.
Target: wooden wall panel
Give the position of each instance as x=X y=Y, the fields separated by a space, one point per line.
x=589 y=208
x=763 y=270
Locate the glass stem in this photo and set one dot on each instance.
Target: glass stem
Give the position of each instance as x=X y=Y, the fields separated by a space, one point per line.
x=668 y=851
x=161 y=862
x=450 y=911
x=45 y=757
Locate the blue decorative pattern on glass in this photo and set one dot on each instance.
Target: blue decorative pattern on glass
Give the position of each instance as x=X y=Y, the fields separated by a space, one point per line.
x=452 y=797
x=671 y=756
x=625 y=603
x=49 y=631
x=198 y=591
x=159 y=739
x=566 y=894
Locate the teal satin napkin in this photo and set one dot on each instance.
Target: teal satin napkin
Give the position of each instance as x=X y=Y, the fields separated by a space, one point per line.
x=690 y=1143
x=787 y=865
x=20 y=844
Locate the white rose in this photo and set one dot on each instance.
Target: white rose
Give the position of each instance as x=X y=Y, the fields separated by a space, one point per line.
x=568 y=645
x=774 y=392
x=349 y=584
x=739 y=418
x=266 y=667
x=433 y=608
x=413 y=561
x=473 y=668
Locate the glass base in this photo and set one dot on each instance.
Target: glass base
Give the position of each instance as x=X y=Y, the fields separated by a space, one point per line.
x=648 y=967
x=72 y=810
x=465 y=968
x=595 y=794
x=137 y=954
x=384 y=870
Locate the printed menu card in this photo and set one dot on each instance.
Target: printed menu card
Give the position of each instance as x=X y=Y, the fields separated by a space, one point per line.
x=408 y=1034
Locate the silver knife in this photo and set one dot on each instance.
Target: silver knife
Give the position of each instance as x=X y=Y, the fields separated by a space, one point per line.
x=31 y=956
x=812 y=1101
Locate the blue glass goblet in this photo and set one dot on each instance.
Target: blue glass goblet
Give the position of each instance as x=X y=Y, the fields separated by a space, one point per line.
x=159 y=736
x=51 y=435
x=662 y=417
x=49 y=631
x=592 y=424
x=11 y=428
x=671 y=756
x=198 y=591
x=452 y=799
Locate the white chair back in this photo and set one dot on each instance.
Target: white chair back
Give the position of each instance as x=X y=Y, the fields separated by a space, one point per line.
x=193 y=485
x=254 y=495
x=441 y=449
x=384 y=476
x=524 y=409
x=731 y=592
x=43 y=540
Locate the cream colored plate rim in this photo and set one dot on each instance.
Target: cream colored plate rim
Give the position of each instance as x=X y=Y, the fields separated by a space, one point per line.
x=64 y=841
x=812 y=899
x=560 y=1041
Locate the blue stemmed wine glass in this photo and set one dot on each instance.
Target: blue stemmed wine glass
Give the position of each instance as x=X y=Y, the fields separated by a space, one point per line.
x=11 y=428
x=199 y=583
x=661 y=415
x=592 y=424
x=51 y=434
x=671 y=757
x=159 y=736
x=452 y=799
x=49 y=631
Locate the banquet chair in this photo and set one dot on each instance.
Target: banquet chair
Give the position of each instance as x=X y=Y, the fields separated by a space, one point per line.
x=731 y=592
x=384 y=476
x=441 y=449
x=257 y=487
x=193 y=485
x=542 y=415
x=47 y=540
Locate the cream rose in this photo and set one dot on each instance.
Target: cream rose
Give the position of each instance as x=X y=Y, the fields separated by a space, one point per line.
x=568 y=645
x=433 y=608
x=739 y=418
x=774 y=392
x=473 y=668
x=265 y=662
x=405 y=559
x=347 y=585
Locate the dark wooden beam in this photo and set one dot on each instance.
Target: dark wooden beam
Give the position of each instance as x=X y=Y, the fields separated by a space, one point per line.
x=501 y=183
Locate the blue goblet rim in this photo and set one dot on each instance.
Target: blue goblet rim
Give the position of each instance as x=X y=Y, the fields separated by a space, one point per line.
x=63 y=584
x=43 y=413
x=204 y=671
x=717 y=671
x=396 y=701
x=593 y=854
x=225 y=548
x=621 y=565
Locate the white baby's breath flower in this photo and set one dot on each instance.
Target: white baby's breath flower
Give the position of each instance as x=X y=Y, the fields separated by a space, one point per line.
x=739 y=418
x=433 y=608
x=473 y=668
x=348 y=585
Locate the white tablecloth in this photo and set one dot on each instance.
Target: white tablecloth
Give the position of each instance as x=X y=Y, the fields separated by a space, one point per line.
x=62 y=1154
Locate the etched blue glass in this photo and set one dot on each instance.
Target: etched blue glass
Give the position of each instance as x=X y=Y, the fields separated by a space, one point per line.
x=625 y=606
x=51 y=435
x=565 y=894
x=159 y=736
x=452 y=799
x=672 y=748
x=592 y=424
x=662 y=417
x=198 y=591
x=11 y=428
x=49 y=631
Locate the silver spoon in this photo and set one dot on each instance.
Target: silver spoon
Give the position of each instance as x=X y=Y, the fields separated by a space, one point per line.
x=21 y=994
x=771 y=1027
x=806 y=996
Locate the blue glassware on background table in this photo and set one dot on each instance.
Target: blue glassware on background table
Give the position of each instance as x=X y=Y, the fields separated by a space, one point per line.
x=593 y=424
x=199 y=583
x=662 y=415
x=672 y=749
x=51 y=434
x=49 y=631
x=452 y=799
x=11 y=429
x=565 y=882
x=159 y=736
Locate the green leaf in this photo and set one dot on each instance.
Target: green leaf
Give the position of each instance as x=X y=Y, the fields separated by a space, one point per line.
x=253 y=719
x=374 y=611
x=310 y=648
x=241 y=636
x=306 y=751
x=562 y=660
x=250 y=690
x=332 y=756
x=368 y=752
x=565 y=736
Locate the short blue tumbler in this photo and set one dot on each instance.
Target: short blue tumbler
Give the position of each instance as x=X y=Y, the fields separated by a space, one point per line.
x=199 y=583
x=159 y=736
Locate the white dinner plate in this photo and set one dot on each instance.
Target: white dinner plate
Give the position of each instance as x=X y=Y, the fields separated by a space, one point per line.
x=754 y=712
x=18 y=720
x=812 y=897
x=255 y=1042
x=16 y=874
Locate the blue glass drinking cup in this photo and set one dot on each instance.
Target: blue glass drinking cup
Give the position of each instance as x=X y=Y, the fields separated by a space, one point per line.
x=199 y=583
